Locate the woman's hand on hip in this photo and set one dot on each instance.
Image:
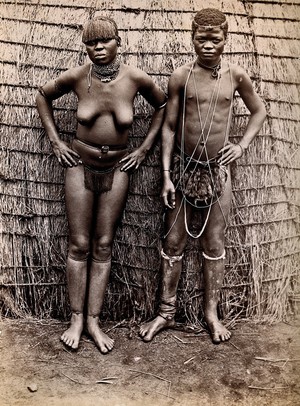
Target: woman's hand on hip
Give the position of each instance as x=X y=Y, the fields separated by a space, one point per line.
x=133 y=160
x=65 y=155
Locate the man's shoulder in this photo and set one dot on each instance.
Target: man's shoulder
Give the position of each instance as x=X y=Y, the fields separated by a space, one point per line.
x=236 y=70
x=182 y=71
x=239 y=75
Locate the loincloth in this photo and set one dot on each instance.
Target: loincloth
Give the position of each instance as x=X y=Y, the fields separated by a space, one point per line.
x=201 y=182
x=98 y=174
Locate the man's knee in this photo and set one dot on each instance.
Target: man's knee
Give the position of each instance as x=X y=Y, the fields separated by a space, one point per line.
x=174 y=244
x=213 y=245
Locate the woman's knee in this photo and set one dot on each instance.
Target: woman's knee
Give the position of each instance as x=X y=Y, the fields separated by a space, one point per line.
x=101 y=248
x=79 y=247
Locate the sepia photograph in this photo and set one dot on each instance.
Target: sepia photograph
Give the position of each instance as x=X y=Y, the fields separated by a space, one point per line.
x=150 y=195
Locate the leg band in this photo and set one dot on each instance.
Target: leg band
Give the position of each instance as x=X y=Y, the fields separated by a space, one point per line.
x=223 y=256
x=100 y=261
x=78 y=259
x=171 y=259
x=167 y=308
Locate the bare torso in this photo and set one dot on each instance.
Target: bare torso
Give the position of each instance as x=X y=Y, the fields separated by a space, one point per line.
x=105 y=110
x=207 y=112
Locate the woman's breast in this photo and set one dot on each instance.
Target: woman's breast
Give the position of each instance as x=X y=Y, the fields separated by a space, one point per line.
x=123 y=116
x=119 y=116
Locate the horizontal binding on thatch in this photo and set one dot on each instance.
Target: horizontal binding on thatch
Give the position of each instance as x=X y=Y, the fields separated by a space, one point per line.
x=173 y=6
x=262 y=256
x=121 y=30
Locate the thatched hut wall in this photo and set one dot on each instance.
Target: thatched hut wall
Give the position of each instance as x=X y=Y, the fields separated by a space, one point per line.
x=41 y=38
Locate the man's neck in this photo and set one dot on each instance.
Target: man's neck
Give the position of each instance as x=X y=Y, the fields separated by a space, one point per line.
x=213 y=66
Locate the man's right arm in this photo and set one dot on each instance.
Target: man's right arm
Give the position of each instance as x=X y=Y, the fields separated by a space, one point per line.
x=168 y=138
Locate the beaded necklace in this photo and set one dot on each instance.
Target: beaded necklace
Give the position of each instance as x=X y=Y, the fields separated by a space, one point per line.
x=215 y=69
x=210 y=113
x=204 y=137
x=105 y=73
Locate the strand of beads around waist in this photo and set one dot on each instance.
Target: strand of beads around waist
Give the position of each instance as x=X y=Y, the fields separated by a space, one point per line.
x=104 y=148
x=98 y=157
x=190 y=161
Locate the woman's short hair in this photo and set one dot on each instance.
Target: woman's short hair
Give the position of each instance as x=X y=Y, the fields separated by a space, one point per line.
x=100 y=27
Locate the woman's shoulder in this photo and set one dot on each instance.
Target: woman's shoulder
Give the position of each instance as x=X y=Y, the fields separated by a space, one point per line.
x=76 y=72
x=138 y=76
x=134 y=71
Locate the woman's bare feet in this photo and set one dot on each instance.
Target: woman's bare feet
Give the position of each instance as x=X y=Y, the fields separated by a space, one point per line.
x=102 y=341
x=218 y=332
x=71 y=337
x=150 y=329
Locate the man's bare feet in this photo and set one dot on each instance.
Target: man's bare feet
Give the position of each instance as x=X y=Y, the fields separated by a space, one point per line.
x=218 y=332
x=102 y=341
x=71 y=337
x=150 y=329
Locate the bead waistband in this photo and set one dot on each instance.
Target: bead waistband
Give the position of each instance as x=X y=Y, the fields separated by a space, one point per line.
x=103 y=147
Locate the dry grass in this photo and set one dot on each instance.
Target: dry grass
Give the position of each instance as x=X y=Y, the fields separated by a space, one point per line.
x=262 y=270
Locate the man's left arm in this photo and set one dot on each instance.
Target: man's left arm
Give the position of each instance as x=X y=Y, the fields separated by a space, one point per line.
x=257 y=110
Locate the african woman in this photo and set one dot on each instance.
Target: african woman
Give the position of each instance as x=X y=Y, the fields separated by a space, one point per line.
x=96 y=166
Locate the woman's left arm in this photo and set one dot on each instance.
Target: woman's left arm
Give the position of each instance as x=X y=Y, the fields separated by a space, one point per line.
x=157 y=98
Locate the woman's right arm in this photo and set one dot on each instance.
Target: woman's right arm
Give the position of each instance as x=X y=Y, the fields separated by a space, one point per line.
x=50 y=91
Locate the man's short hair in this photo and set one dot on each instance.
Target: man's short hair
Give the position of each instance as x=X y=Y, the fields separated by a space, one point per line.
x=209 y=18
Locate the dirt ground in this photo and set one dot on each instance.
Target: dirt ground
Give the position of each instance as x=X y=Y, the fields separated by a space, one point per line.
x=259 y=366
